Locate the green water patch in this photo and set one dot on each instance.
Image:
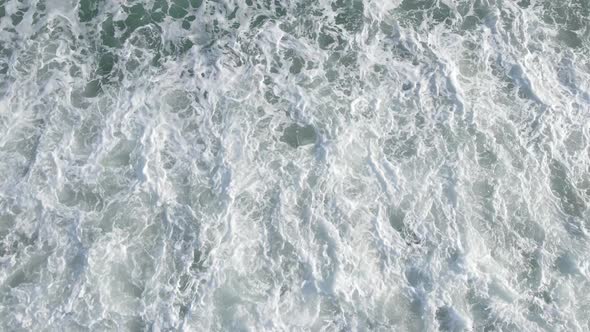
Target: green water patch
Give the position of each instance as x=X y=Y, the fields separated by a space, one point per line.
x=17 y=17
x=114 y=33
x=415 y=12
x=141 y=29
x=159 y=10
x=524 y=3
x=137 y=17
x=258 y=21
x=178 y=9
x=271 y=6
x=187 y=22
x=88 y=9
x=107 y=34
x=570 y=18
x=330 y=39
x=297 y=62
x=350 y=14
x=92 y=89
x=106 y=63
x=138 y=14
x=572 y=15
x=570 y=38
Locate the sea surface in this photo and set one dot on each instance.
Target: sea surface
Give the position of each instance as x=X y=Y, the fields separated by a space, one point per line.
x=294 y=165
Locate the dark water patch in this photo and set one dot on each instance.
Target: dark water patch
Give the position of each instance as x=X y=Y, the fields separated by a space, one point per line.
x=299 y=135
x=566 y=264
x=396 y=219
x=470 y=22
x=572 y=15
x=137 y=17
x=92 y=89
x=106 y=63
x=270 y=6
x=108 y=33
x=416 y=12
x=524 y=3
x=176 y=11
x=148 y=38
x=296 y=65
x=159 y=10
x=88 y=9
x=350 y=14
x=258 y=21
x=184 y=4
x=325 y=40
x=570 y=38
x=17 y=17
x=30 y=269
x=449 y=319
x=483 y=8
x=187 y=22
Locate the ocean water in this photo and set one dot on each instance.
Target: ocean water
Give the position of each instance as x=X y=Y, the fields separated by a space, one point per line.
x=294 y=165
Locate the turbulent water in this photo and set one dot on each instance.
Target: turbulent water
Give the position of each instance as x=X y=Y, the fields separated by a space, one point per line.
x=294 y=165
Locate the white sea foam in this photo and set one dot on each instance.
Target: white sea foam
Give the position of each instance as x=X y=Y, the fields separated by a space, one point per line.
x=337 y=165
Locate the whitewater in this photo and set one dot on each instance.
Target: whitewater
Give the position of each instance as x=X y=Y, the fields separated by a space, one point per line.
x=294 y=165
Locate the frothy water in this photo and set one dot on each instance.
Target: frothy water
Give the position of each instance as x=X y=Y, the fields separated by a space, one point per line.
x=282 y=165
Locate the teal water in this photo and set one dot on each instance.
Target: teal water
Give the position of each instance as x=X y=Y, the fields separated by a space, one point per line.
x=294 y=165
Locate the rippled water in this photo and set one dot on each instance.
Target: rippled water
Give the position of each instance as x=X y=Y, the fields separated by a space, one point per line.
x=283 y=165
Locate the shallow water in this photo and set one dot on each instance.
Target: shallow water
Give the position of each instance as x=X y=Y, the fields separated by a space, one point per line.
x=258 y=165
